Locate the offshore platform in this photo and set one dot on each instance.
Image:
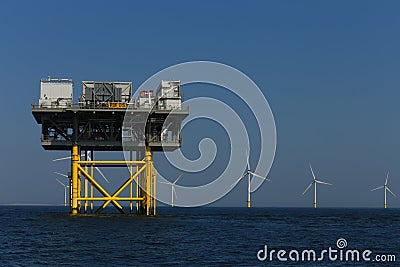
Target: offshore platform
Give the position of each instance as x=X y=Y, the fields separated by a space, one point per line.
x=98 y=122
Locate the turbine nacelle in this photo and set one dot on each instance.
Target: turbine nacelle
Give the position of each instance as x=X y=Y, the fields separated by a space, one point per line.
x=314 y=183
x=249 y=173
x=173 y=191
x=386 y=189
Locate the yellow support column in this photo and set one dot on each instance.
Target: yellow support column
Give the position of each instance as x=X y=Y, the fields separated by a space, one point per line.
x=131 y=184
x=91 y=186
x=137 y=190
x=79 y=191
x=85 y=186
x=75 y=179
x=130 y=189
x=149 y=176
x=154 y=191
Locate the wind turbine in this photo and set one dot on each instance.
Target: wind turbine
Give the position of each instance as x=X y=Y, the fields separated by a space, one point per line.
x=248 y=172
x=97 y=168
x=386 y=188
x=65 y=189
x=314 y=182
x=173 y=192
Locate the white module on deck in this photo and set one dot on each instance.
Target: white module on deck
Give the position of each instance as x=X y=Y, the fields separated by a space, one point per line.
x=55 y=92
x=169 y=96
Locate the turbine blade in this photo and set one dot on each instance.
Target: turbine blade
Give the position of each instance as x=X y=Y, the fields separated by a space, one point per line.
x=102 y=175
x=259 y=176
x=390 y=191
x=177 y=179
x=100 y=172
x=165 y=183
x=378 y=188
x=238 y=180
x=61 y=174
x=312 y=172
x=308 y=188
x=265 y=179
x=61 y=159
x=60 y=182
x=165 y=129
x=248 y=160
x=387 y=178
x=320 y=182
x=173 y=189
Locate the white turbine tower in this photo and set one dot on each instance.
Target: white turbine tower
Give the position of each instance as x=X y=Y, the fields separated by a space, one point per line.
x=314 y=182
x=65 y=190
x=386 y=188
x=173 y=192
x=248 y=172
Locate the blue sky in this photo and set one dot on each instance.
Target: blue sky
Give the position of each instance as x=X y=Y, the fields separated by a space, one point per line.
x=328 y=69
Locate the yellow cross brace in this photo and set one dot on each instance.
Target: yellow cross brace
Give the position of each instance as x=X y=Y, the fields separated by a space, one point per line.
x=131 y=178
x=101 y=189
x=144 y=177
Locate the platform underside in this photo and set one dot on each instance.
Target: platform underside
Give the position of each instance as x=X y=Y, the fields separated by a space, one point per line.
x=102 y=129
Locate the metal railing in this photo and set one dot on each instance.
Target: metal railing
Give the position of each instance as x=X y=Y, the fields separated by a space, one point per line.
x=101 y=105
